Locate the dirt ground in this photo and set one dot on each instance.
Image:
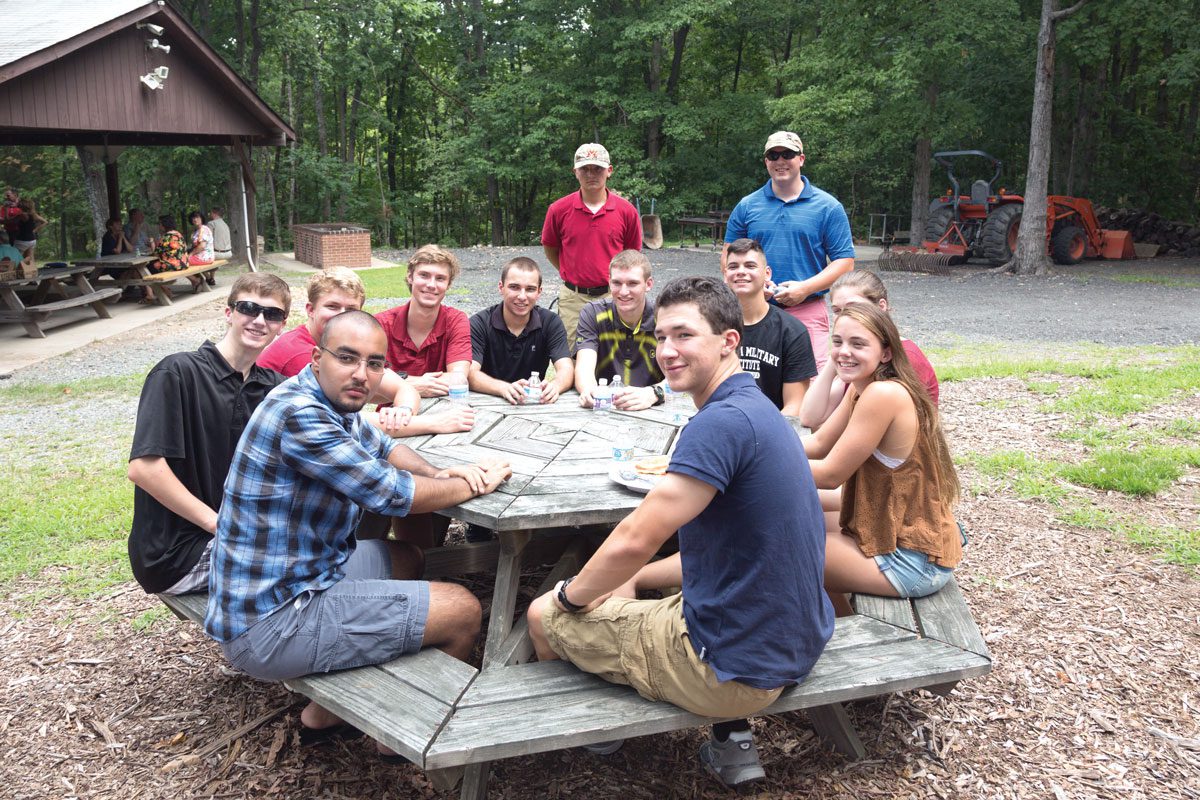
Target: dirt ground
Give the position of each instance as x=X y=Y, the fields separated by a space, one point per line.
x=1095 y=691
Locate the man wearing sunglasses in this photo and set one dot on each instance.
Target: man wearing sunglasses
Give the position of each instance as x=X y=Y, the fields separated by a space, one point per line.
x=293 y=591
x=804 y=233
x=191 y=414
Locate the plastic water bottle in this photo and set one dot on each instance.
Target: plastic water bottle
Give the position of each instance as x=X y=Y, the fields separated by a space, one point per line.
x=622 y=451
x=602 y=397
x=458 y=387
x=675 y=404
x=618 y=386
x=533 y=390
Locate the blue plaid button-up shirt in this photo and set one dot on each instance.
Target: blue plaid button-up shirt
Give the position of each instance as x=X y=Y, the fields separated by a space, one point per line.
x=299 y=479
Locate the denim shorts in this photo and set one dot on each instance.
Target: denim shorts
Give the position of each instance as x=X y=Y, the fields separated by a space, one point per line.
x=912 y=573
x=365 y=618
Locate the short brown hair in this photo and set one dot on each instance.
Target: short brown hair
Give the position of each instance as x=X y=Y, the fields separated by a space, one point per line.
x=434 y=254
x=628 y=259
x=523 y=263
x=335 y=279
x=742 y=246
x=263 y=284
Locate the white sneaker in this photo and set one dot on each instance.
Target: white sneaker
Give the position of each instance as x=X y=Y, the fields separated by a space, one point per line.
x=733 y=762
x=604 y=748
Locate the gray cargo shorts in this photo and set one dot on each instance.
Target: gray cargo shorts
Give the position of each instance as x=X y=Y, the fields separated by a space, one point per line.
x=365 y=618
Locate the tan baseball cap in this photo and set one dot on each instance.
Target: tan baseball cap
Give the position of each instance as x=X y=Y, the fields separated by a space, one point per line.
x=784 y=139
x=592 y=153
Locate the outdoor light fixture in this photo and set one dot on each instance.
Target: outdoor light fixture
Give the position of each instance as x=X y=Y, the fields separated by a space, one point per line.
x=156 y=79
x=155 y=44
x=156 y=30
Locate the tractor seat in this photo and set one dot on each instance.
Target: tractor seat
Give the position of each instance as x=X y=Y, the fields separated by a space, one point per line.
x=979 y=192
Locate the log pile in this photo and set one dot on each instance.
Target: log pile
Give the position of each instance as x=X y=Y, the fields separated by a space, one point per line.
x=1174 y=238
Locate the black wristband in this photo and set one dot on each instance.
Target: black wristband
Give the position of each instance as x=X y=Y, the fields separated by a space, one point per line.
x=574 y=608
x=659 y=395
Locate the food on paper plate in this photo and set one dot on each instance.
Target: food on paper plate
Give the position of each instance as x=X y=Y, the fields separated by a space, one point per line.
x=654 y=465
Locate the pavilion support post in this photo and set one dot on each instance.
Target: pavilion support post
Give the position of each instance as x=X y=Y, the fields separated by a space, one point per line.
x=246 y=240
x=112 y=186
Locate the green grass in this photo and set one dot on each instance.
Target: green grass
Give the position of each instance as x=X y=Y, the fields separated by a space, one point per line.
x=390 y=282
x=1161 y=280
x=148 y=619
x=1132 y=390
x=1028 y=477
x=1172 y=545
x=1095 y=436
x=39 y=394
x=1140 y=471
x=969 y=360
x=1043 y=387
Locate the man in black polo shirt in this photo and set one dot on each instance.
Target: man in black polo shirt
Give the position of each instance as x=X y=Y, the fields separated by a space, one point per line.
x=516 y=337
x=190 y=417
x=775 y=346
x=616 y=337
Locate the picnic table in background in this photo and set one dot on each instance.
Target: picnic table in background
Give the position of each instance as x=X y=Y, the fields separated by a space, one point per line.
x=157 y=281
x=51 y=281
x=713 y=220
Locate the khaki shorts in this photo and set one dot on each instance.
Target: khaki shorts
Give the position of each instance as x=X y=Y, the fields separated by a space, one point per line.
x=570 y=303
x=645 y=644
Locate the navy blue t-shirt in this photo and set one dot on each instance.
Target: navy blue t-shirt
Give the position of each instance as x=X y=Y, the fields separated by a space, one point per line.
x=754 y=559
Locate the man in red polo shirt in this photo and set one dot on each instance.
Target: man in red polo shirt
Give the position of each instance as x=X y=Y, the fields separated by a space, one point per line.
x=584 y=230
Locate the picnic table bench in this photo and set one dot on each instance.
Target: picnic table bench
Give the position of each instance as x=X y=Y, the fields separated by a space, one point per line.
x=51 y=281
x=157 y=281
x=713 y=220
x=449 y=718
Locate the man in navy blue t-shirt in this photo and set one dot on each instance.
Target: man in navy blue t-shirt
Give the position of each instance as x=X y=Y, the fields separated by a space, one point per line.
x=753 y=616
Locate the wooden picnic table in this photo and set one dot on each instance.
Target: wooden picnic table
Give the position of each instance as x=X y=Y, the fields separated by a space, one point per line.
x=115 y=261
x=140 y=264
x=715 y=221
x=52 y=281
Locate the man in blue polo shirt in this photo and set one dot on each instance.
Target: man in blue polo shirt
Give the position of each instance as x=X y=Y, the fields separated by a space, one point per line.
x=804 y=233
x=753 y=616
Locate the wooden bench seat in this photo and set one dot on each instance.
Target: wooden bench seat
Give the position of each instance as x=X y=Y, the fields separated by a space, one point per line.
x=403 y=703
x=42 y=311
x=158 y=280
x=444 y=715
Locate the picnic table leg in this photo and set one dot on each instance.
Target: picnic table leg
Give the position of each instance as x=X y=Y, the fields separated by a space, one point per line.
x=504 y=596
x=27 y=322
x=85 y=288
x=833 y=725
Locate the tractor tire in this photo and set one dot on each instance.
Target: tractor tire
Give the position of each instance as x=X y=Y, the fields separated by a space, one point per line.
x=999 y=235
x=1068 y=244
x=938 y=222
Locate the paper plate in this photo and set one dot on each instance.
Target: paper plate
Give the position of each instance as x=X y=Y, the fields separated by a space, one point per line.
x=631 y=480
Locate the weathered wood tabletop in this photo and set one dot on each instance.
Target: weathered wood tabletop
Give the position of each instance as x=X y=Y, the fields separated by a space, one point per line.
x=51 y=281
x=116 y=260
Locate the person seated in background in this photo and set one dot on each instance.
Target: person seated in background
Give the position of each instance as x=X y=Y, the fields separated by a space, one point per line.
x=10 y=255
x=859 y=286
x=114 y=241
x=429 y=342
x=137 y=231
x=616 y=337
x=192 y=411
x=895 y=535
x=330 y=292
x=222 y=240
x=201 y=253
x=170 y=255
x=752 y=617
x=775 y=348
x=516 y=338
x=292 y=591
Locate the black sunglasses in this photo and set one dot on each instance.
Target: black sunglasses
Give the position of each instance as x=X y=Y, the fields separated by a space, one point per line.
x=252 y=310
x=786 y=155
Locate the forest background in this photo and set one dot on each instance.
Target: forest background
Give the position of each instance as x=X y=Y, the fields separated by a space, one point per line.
x=454 y=121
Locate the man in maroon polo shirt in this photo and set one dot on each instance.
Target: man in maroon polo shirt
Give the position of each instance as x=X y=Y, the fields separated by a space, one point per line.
x=584 y=230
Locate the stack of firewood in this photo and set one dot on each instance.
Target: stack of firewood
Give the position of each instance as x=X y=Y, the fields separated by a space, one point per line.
x=1174 y=238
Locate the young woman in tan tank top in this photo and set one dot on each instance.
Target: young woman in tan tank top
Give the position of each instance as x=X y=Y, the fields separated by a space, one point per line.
x=895 y=534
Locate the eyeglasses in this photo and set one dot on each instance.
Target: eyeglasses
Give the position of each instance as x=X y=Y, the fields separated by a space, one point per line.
x=252 y=310
x=351 y=361
x=786 y=155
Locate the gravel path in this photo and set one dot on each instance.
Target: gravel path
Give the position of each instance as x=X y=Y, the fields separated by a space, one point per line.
x=1086 y=304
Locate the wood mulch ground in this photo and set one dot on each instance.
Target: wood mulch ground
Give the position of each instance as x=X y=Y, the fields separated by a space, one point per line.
x=1095 y=691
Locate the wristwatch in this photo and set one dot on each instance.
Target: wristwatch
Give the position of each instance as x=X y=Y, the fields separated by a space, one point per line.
x=573 y=608
x=659 y=395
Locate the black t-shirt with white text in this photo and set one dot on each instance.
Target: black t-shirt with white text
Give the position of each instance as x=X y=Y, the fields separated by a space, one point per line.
x=777 y=350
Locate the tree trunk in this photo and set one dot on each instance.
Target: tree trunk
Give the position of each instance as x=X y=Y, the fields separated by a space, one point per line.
x=256 y=42
x=97 y=195
x=1030 y=256
x=322 y=135
x=920 y=191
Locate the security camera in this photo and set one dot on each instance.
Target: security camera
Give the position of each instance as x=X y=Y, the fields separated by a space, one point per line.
x=155 y=44
x=162 y=72
x=151 y=81
x=157 y=30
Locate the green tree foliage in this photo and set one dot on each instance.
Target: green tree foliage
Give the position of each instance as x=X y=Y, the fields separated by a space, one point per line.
x=455 y=120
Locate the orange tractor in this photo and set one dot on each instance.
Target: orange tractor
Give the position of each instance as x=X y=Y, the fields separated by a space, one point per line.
x=983 y=225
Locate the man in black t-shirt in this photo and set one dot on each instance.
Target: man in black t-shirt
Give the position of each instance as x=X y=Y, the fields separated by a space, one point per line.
x=775 y=346
x=516 y=337
x=191 y=414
